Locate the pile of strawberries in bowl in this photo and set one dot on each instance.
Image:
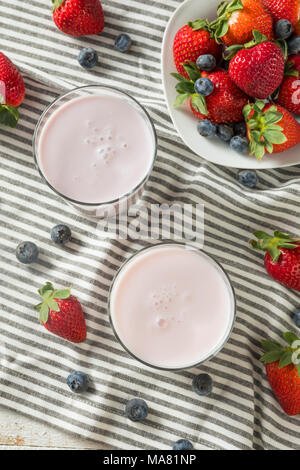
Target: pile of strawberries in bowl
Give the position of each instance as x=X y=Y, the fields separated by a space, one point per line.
x=240 y=74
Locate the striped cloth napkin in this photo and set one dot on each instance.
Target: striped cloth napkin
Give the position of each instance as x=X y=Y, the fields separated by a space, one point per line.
x=241 y=413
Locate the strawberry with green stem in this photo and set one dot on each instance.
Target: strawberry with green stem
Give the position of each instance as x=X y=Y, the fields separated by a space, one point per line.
x=238 y=18
x=283 y=371
x=224 y=105
x=282 y=257
x=61 y=313
x=191 y=41
x=12 y=91
x=270 y=128
x=288 y=95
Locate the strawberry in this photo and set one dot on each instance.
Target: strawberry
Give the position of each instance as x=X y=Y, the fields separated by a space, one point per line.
x=283 y=371
x=282 y=258
x=284 y=10
x=61 y=313
x=238 y=18
x=224 y=105
x=289 y=93
x=78 y=17
x=271 y=128
x=12 y=91
x=258 y=68
x=191 y=41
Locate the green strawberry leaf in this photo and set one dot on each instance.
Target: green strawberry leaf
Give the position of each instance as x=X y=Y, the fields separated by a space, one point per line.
x=270 y=345
x=44 y=312
x=272 y=118
x=47 y=287
x=285 y=359
x=290 y=337
x=198 y=24
x=62 y=293
x=192 y=71
x=185 y=87
x=222 y=29
x=221 y=8
x=57 y=3
x=53 y=305
x=198 y=102
x=275 y=137
x=272 y=356
x=181 y=98
x=9 y=115
x=179 y=77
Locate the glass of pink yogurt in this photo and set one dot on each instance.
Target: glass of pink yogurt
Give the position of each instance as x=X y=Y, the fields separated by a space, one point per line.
x=95 y=146
x=172 y=306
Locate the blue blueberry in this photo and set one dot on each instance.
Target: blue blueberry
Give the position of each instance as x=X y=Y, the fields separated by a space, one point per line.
x=225 y=132
x=283 y=29
x=204 y=86
x=136 y=410
x=27 y=252
x=78 y=382
x=206 y=62
x=61 y=234
x=206 y=128
x=296 y=318
x=240 y=129
x=183 y=444
x=123 y=43
x=294 y=45
x=88 y=57
x=240 y=144
x=202 y=384
x=248 y=178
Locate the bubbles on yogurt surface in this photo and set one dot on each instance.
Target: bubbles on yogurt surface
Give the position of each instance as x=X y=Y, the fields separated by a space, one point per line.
x=106 y=142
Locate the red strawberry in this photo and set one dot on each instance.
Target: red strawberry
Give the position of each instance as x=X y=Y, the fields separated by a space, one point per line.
x=271 y=129
x=284 y=10
x=78 y=17
x=191 y=41
x=289 y=93
x=224 y=105
x=283 y=372
x=12 y=91
x=282 y=258
x=258 y=68
x=61 y=313
x=238 y=18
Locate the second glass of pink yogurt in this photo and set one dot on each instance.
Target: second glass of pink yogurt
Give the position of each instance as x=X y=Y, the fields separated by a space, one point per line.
x=96 y=146
x=172 y=306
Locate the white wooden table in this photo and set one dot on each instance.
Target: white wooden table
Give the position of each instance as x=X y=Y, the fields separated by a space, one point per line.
x=19 y=432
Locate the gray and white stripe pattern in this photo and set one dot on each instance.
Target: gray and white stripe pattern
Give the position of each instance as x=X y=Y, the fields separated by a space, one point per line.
x=242 y=412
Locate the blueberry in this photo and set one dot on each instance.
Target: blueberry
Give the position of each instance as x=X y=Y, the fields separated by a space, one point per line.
x=206 y=62
x=78 y=382
x=87 y=57
x=136 y=409
x=239 y=144
x=206 y=128
x=61 y=234
x=296 y=318
x=294 y=45
x=27 y=252
x=202 y=384
x=204 y=86
x=283 y=29
x=224 y=132
x=247 y=178
x=183 y=444
x=123 y=43
x=240 y=129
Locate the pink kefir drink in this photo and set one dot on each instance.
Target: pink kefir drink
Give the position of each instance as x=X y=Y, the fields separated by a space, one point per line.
x=96 y=148
x=172 y=306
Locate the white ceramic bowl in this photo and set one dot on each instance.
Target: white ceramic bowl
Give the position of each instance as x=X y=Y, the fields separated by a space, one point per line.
x=184 y=121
